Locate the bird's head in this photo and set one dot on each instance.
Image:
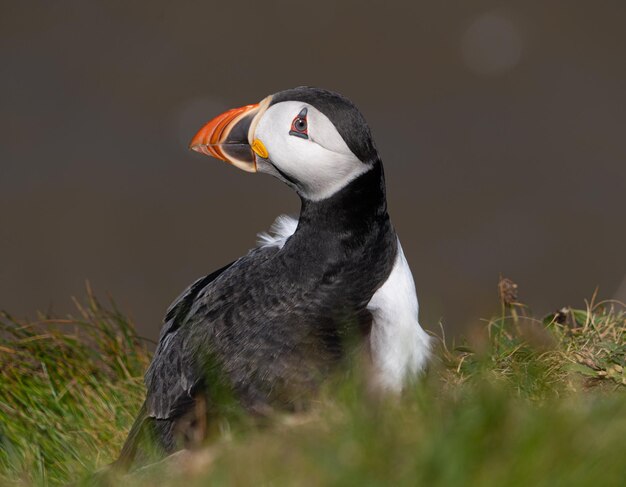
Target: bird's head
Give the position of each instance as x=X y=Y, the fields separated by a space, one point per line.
x=314 y=140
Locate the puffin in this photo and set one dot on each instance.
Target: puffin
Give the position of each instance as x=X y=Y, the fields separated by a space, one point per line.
x=273 y=325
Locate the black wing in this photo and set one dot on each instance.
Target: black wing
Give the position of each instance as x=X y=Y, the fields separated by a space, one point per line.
x=161 y=403
x=182 y=304
x=173 y=373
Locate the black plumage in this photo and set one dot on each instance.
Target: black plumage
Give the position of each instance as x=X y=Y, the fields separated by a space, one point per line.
x=274 y=322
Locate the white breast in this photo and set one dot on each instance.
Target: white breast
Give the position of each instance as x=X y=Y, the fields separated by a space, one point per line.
x=400 y=348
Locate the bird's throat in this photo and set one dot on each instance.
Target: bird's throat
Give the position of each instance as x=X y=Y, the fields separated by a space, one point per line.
x=357 y=207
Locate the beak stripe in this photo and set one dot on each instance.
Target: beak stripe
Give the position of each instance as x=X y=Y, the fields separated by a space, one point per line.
x=227 y=136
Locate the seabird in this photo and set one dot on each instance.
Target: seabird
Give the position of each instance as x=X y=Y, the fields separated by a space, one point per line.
x=276 y=322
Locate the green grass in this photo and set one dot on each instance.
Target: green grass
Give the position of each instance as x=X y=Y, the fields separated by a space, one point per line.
x=69 y=390
x=525 y=402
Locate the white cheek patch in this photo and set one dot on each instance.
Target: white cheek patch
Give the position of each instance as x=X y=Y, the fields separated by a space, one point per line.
x=321 y=164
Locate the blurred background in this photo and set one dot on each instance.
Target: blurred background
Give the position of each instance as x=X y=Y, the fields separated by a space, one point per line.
x=502 y=127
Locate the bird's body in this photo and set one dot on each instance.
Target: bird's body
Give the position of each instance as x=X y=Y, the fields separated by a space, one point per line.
x=276 y=322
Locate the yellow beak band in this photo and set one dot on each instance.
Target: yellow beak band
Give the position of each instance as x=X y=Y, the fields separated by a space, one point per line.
x=259 y=149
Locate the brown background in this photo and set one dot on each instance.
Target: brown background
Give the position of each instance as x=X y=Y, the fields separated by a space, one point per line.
x=501 y=124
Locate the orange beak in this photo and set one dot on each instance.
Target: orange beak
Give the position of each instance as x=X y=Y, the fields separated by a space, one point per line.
x=229 y=136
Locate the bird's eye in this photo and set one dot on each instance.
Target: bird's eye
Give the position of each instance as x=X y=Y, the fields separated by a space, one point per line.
x=299 y=125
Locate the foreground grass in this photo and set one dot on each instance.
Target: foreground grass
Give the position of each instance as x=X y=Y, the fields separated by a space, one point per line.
x=69 y=390
x=527 y=402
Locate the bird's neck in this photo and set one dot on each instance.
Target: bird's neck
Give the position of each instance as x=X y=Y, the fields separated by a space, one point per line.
x=346 y=240
x=359 y=206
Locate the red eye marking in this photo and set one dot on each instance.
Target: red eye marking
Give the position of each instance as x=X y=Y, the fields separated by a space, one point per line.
x=299 y=125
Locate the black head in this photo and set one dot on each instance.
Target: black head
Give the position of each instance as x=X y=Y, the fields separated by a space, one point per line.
x=344 y=115
x=315 y=140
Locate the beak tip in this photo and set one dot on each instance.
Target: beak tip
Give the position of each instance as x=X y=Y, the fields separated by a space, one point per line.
x=201 y=149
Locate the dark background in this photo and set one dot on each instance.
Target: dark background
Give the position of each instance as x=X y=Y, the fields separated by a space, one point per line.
x=502 y=126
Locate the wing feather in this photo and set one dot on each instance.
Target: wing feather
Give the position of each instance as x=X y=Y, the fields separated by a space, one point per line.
x=176 y=368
